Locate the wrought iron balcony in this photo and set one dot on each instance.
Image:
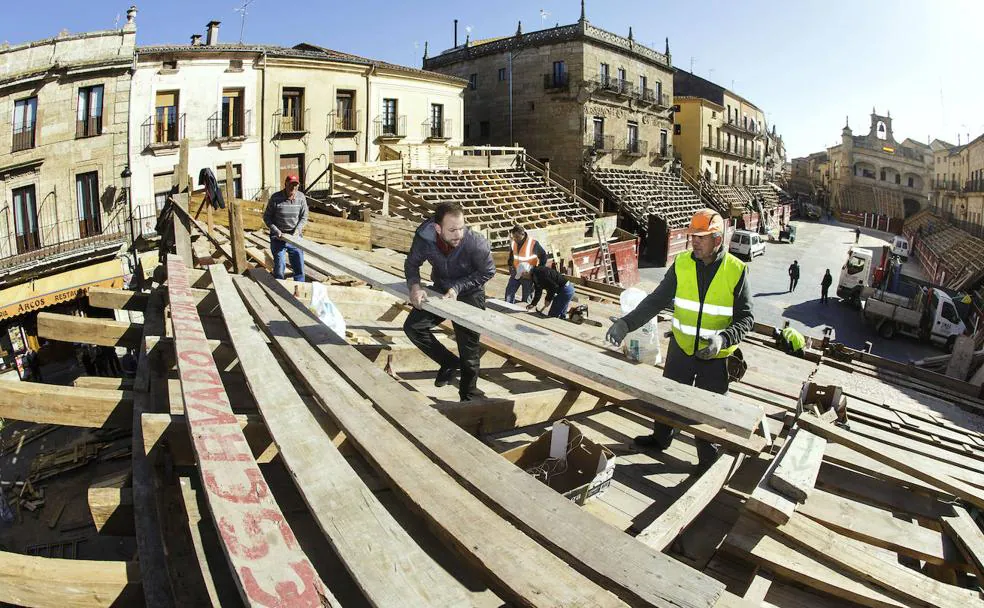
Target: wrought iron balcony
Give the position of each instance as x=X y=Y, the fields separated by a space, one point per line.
x=88 y=127
x=220 y=128
x=601 y=143
x=344 y=122
x=393 y=128
x=23 y=139
x=294 y=123
x=636 y=147
x=437 y=131
x=160 y=133
x=556 y=81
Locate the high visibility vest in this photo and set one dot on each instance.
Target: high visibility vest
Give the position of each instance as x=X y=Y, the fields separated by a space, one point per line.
x=525 y=253
x=715 y=312
x=793 y=338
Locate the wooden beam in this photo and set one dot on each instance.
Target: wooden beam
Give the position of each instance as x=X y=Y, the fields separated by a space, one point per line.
x=27 y=580
x=750 y=539
x=181 y=225
x=884 y=494
x=112 y=510
x=633 y=571
x=110 y=383
x=494 y=414
x=118 y=299
x=66 y=405
x=767 y=502
x=172 y=429
x=88 y=330
x=863 y=561
x=239 y=499
x=237 y=244
x=397 y=572
x=517 y=568
x=687 y=507
x=968 y=536
x=693 y=403
x=759 y=587
x=798 y=469
x=877 y=527
x=917 y=466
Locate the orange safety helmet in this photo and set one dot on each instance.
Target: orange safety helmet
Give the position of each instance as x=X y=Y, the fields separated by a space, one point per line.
x=706 y=221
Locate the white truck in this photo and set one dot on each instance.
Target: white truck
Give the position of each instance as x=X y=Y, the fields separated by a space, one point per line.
x=900 y=247
x=856 y=274
x=929 y=315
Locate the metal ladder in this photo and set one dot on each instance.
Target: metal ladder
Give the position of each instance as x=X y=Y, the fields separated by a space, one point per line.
x=606 y=260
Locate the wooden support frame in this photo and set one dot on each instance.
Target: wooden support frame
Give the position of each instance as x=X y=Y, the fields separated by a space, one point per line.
x=630 y=569
x=27 y=580
x=268 y=568
x=236 y=237
x=797 y=472
x=88 y=330
x=715 y=410
x=66 y=405
x=968 y=536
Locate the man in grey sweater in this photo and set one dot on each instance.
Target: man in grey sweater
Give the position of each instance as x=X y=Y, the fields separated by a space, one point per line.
x=286 y=213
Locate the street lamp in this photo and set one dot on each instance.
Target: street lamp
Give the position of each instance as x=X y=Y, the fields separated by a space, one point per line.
x=125 y=176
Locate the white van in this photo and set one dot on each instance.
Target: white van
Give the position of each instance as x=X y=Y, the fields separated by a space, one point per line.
x=746 y=244
x=900 y=247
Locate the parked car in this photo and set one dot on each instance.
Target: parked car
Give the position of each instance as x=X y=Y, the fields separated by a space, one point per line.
x=746 y=244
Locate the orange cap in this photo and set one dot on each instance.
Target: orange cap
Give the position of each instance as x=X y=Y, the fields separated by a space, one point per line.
x=706 y=221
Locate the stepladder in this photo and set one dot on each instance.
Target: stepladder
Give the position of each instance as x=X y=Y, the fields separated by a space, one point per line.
x=607 y=265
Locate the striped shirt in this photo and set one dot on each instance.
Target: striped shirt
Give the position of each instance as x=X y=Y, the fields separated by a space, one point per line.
x=289 y=215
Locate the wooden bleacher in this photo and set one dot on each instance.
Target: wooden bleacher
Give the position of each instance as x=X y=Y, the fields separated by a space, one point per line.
x=870 y=199
x=643 y=193
x=498 y=198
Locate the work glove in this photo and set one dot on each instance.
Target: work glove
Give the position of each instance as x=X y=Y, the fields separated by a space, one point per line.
x=274 y=231
x=616 y=333
x=714 y=346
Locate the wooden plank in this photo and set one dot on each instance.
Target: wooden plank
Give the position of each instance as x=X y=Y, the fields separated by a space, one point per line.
x=685 y=509
x=181 y=225
x=876 y=527
x=27 y=580
x=219 y=584
x=66 y=405
x=767 y=502
x=968 y=536
x=635 y=572
x=111 y=509
x=172 y=429
x=759 y=587
x=238 y=243
x=861 y=560
x=147 y=521
x=879 y=492
x=87 y=330
x=906 y=462
x=397 y=571
x=495 y=414
x=268 y=568
x=693 y=403
x=513 y=564
x=751 y=540
x=798 y=469
x=106 y=383
x=119 y=299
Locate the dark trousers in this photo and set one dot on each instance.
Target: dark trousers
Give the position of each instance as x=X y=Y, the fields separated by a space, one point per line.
x=281 y=250
x=792 y=283
x=419 y=327
x=823 y=295
x=513 y=285
x=558 y=308
x=710 y=375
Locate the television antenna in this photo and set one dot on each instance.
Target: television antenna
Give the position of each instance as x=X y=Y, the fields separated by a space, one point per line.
x=543 y=16
x=242 y=10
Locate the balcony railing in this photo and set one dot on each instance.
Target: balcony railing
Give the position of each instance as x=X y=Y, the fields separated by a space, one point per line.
x=88 y=127
x=23 y=139
x=440 y=130
x=293 y=123
x=616 y=86
x=556 y=81
x=948 y=185
x=162 y=134
x=601 y=143
x=57 y=238
x=636 y=147
x=391 y=129
x=652 y=96
x=660 y=154
x=974 y=186
x=221 y=129
x=344 y=121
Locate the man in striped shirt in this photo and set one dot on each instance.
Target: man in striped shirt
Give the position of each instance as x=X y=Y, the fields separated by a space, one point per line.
x=286 y=213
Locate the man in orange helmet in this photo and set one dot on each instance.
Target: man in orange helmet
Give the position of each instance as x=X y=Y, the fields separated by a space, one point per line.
x=712 y=312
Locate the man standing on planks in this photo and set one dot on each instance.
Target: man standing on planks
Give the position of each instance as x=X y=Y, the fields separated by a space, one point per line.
x=286 y=213
x=711 y=299
x=524 y=250
x=461 y=265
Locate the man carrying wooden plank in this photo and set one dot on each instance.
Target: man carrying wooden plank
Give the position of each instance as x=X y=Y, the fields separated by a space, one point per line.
x=461 y=265
x=712 y=312
x=286 y=213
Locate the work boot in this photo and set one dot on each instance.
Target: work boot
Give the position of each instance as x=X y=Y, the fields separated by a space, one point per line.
x=473 y=395
x=445 y=375
x=652 y=442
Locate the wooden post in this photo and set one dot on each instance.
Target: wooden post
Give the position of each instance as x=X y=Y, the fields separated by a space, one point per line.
x=488 y=158
x=331 y=179
x=236 y=235
x=386 y=193
x=546 y=172
x=181 y=224
x=210 y=221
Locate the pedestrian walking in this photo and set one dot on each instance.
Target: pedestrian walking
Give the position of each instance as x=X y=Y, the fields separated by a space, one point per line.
x=794 y=275
x=825 y=285
x=857 y=235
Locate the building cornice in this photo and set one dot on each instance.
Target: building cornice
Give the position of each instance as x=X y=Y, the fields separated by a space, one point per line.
x=581 y=31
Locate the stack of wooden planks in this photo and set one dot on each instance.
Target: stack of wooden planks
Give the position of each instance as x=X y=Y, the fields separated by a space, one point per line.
x=308 y=468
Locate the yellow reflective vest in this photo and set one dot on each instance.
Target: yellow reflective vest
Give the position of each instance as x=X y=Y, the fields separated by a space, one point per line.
x=713 y=315
x=794 y=338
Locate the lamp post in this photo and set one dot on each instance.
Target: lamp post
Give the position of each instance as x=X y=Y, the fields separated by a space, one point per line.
x=125 y=176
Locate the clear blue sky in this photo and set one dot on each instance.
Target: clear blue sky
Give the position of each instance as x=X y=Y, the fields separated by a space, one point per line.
x=806 y=63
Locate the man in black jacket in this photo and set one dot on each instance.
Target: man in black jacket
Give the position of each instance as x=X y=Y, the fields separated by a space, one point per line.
x=559 y=291
x=461 y=265
x=794 y=275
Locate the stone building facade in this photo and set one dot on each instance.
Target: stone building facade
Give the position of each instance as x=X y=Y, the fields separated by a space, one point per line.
x=721 y=136
x=895 y=170
x=575 y=95
x=63 y=151
x=958 y=183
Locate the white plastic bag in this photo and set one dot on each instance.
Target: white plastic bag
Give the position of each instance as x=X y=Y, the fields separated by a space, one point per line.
x=326 y=310
x=641 y=345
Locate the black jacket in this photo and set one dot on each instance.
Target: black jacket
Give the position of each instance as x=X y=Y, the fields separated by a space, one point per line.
x=742 y=319
x=826 y=281
x=546 y=279
x=794 y=271
x=467 y=267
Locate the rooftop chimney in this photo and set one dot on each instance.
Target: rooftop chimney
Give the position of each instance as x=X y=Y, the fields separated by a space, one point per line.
x=196 y=40
x=131 y=14
x=455 y=33
x=212 y=30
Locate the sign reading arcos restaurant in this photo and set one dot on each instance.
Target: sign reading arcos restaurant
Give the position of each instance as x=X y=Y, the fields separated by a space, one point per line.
x=59 y=288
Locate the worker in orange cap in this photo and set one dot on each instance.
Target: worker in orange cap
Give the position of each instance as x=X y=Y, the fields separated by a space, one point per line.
x=712 y=312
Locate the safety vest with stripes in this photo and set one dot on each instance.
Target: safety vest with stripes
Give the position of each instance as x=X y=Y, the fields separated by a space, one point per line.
x=794 y=338
x=714 y=313
x=525 y=253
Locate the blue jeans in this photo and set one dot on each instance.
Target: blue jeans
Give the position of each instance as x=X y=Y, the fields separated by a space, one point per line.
x=281 y=250
x=558 y=308
x=513 y=286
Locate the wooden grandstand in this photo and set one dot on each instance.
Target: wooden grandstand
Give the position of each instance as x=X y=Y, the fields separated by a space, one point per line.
x=950 y=256
x=869 y=199
x=641 y=194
